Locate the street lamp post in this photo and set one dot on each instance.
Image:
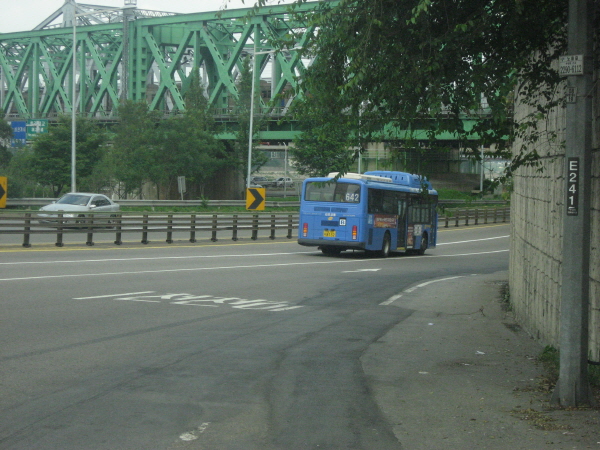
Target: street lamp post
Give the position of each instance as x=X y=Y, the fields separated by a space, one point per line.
x=250 y=136
x=128 y=4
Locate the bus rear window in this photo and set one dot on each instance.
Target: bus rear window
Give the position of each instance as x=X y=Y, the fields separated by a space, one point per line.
x=332 y=192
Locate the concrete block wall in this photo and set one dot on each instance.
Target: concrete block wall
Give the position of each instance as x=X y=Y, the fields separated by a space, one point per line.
x=537 y=211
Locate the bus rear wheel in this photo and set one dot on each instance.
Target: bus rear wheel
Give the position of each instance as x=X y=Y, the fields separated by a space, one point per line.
x=424 y=244
x=385 y=246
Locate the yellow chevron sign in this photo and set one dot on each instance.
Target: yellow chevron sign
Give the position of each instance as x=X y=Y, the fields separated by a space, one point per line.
x=255 y=198
x=3 y=190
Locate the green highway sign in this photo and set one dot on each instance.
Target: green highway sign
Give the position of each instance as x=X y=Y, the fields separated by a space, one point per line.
x=35 y=127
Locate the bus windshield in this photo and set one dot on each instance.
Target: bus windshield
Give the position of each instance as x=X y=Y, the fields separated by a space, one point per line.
x=332 y=192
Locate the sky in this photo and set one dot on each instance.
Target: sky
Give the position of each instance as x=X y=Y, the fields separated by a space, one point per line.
x=24 y=15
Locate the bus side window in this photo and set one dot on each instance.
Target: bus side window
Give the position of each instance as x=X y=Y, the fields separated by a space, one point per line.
x=402 y=208
x=390 y=206
x=375 y=201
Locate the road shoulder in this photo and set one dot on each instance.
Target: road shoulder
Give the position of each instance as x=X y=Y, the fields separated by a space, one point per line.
x=460 y=373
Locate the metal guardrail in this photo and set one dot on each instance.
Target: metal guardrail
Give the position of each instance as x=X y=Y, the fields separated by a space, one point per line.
x=37 y=202
x=211 y=226
x=475 y=216
x=28 y=224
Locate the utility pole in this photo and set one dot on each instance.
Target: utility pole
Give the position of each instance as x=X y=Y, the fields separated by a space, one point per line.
x=573 y=389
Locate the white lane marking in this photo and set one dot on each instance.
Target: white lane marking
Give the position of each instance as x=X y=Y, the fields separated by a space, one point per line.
x=473 y=240
x=253 y=266
x=361 y=270
x=77 y=261
x=393 y=298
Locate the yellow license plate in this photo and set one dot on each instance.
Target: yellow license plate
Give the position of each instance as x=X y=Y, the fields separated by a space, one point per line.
x=328 y=233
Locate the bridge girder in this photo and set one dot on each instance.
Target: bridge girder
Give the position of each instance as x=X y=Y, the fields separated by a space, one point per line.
x=149 y=58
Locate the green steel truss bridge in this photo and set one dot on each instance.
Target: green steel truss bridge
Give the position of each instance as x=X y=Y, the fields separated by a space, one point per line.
x=127 y=53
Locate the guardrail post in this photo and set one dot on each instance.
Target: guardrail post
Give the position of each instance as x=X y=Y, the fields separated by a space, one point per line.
x=59 y=231
x=456 y=218
x=145 y=229
x=466 y=217
x=26 y=230
x=214 y=228
x=234 y=237
x=89 y=221
x=118 y=228
x=290 y=226
x=254 y=227
x=476 y=217
x=193 y=228
x=272 y=227
x=170 y=229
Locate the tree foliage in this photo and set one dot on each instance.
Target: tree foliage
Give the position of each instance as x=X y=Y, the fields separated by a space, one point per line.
x=5 y=136
x=187 y=144
x=134 y=146
x=428 y=64
x=50 y=160
x=148 y=149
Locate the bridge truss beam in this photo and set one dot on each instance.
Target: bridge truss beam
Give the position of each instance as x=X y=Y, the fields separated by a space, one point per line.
x=148 y=58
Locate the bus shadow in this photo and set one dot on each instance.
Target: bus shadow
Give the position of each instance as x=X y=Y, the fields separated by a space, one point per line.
x=359 y=254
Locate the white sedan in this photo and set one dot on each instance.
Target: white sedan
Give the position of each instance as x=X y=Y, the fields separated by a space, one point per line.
x=75 y=205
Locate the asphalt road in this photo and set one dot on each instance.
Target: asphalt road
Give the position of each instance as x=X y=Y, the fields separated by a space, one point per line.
x=248 y=345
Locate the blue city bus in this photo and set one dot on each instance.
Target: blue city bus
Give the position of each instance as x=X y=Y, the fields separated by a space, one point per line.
x=379 y=211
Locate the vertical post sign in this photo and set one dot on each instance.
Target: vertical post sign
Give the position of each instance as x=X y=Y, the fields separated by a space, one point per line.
x=181 y=186
x=572 y=186
x=3 y=191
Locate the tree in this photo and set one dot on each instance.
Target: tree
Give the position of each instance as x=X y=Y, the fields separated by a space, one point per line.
x=329 y=131
x=186 y=145
x=50 y=162
x=427 y=64
x=5 y=135
x=134 y=147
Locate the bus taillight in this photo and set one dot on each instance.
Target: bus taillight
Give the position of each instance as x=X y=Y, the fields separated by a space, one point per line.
x=305 y=230
x=354 y=232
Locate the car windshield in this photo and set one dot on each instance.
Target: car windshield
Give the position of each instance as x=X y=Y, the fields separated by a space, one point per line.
x=74 y=199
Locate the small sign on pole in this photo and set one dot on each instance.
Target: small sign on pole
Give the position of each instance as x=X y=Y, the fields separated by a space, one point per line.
x=181 y=186
x=3 y=191
x=570 y=65
x=571 y=94
x=255 y=199
x=35 y=127
x=572 y=186
x=19 y=138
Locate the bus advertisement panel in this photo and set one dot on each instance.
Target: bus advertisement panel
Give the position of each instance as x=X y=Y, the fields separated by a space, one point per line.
x=380 y=211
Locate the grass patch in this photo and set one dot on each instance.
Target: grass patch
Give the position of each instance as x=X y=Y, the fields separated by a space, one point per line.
x=550 y=360
x=505 y=297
